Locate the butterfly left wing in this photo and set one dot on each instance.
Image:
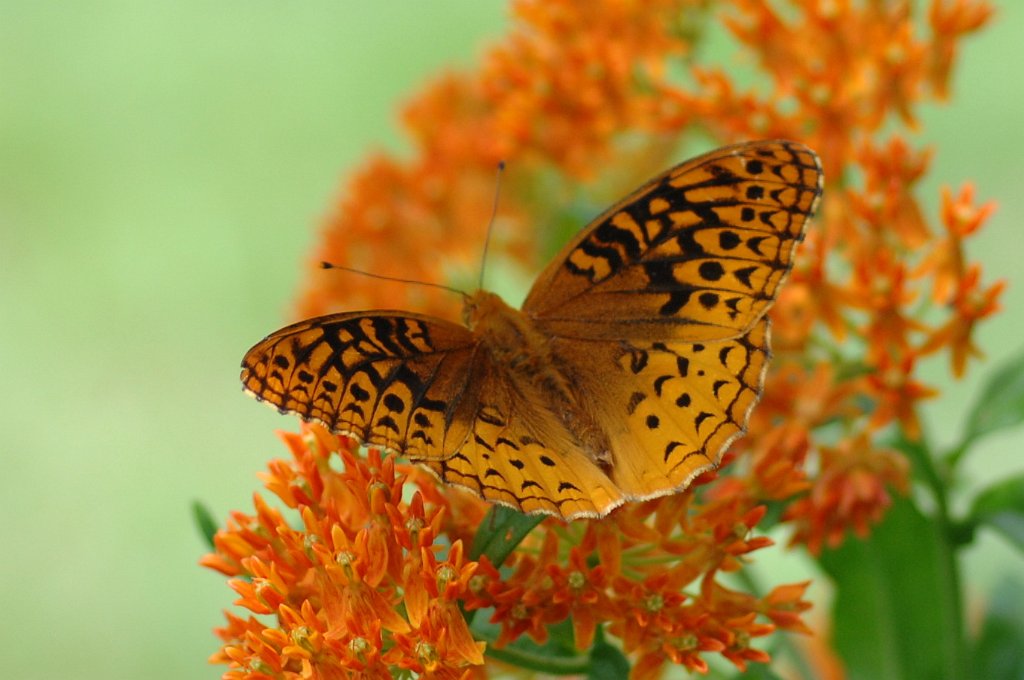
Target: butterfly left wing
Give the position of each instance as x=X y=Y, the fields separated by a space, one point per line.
x=697 y=253
x=392 y=379
x=422 y=388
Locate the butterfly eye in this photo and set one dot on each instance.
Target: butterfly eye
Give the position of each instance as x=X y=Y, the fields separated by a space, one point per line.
x=469 y=311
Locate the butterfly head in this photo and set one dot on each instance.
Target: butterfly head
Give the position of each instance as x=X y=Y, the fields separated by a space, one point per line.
x=482 y=306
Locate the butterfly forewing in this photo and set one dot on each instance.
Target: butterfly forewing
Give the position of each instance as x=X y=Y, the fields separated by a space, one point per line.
x=392 y=379
x=697 y=253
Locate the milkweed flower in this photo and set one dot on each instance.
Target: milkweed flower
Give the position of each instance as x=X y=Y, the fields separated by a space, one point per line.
x=361 y=567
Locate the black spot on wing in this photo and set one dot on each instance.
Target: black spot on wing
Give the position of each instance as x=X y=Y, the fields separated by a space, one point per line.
x=718 y=385
x=634 y=401
x=711 y=270
x=743 y=275
x=708 y=300
x=482 y=442
x=387 y=422
x=728 y=240
x=394 y=403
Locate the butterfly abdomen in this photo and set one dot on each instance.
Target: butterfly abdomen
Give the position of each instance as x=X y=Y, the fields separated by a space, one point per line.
x=517 y=348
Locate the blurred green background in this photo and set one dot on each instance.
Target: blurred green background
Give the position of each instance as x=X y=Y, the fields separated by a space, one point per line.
x=163 y=170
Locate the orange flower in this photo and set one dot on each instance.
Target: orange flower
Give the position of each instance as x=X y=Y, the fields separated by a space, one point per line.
x=784 y=605
x=971 y=305
x=853 y=493
x=897 y=393
x=442 y=644
x=882 y=289
x=950 y=21
x=886 y=203
x=961 y=219
x=584 y=588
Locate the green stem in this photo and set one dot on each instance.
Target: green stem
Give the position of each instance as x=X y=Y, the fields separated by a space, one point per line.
x=554 y=665
x=920 y=454
x=952 y=459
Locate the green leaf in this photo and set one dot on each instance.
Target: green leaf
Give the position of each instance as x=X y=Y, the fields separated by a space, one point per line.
x=1000 y=405
x=922 y=460
x=607 y=662
x=203 y=518
x=896 y=613
x=1001 y=506
x=500 y=532
x=998 y=652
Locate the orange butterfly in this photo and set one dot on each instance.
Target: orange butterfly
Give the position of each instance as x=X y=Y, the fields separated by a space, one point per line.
x=633 y=364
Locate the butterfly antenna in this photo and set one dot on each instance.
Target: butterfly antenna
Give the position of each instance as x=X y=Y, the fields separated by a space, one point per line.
x=490 y=224
x=351 y=270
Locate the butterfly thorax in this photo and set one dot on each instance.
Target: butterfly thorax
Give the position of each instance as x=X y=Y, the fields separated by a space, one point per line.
x=517 y=347
x=508 y=335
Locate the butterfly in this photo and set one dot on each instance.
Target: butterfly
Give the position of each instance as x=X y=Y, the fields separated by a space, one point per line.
x=633 y=364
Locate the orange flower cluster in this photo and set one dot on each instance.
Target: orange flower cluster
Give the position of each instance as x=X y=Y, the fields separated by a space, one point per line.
x=335 y=584
x=364 y=583
x=610 y=90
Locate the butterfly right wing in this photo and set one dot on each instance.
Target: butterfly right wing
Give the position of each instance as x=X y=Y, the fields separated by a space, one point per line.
x=670 y=410
x=391 y=379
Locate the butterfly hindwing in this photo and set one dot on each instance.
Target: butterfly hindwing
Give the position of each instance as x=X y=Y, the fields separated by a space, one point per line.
x=519 y=454
x=697 y=253
x=392 y=379
x=670 y=409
